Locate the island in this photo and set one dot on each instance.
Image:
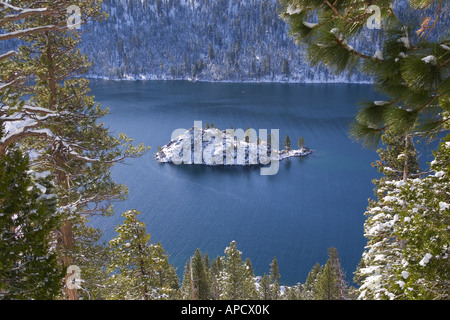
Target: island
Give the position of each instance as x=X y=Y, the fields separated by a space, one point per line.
x=211 y=146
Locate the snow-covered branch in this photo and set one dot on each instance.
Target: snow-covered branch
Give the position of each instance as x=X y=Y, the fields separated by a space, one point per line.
x=24 y=13
x=7 y=55
x=28 y=31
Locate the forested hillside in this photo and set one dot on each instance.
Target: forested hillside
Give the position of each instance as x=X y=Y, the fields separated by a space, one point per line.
x=223 y=40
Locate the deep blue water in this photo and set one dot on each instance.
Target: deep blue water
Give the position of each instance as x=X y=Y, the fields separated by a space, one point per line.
x=311 y=204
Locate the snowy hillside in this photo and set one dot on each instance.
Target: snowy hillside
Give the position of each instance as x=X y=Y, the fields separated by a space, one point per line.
x=221 y=40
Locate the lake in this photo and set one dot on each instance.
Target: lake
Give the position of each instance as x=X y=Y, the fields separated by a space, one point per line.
x=311 y=204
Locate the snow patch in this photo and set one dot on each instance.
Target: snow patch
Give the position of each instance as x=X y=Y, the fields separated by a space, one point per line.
x=309 y=24
x=429 y=59
x=291 y=9
x=378 y=55
x=443 y=206
x=425 y=259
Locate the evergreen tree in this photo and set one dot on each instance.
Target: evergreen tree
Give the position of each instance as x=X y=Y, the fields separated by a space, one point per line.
x=301 y=142
x=409 y=64
x=405 y=226
x=326 y=286
x=217 y=270
x=187 y=286
x=264 y=290
x=295 y=292
x=18 y=13
x=64 y=122
x=201 y=277
x=330 y=283
x=326 y=282
x=285 y=67
x=274 y=278
x=267 y=65
x=341 y=285
x=28 y=262
x=239 y=283
x=310 y=283
x=287 y=142
x=422 y=226
x=92 y=257
x=211 y=53
x=207 y=262
x=248 y=265
x=140 y=270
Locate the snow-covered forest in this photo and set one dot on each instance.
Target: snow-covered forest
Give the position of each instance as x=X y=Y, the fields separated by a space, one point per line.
x=223 y=40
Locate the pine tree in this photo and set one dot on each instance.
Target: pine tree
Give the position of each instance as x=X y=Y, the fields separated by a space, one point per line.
x=409 y=64
x=326 y=286
x=211 y=53
x=310 y=283
x=187 y=286
x=410 y=67
x=267 y=65
x=140 y=270
x=28 y=262
x=285 y=67
x=301 y=142
x=405 y=254
x=295 y=292
x=201 y=277
x=287 y=142
x=423 y=228
x=274 y=278
x=18 y=13
x=264 y=290
x=341 y=285
x=66 y=128
x=217 y=270
x=92 y=257
x=239 y=283
x=373 y=272
x=329 y=284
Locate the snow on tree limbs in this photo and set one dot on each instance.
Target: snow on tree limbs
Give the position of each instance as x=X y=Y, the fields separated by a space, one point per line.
x=408 y=66
x=59 y=121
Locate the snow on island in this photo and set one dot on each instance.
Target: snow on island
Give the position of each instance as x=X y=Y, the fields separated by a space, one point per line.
x=213 y=147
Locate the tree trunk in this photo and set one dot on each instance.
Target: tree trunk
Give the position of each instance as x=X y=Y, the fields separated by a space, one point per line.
x=66 y=240
x=67 y=243
x=406 y=153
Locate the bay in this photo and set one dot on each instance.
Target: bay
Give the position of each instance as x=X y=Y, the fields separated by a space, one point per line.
x=311 y=204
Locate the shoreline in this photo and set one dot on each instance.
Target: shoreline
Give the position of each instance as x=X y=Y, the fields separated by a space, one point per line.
x=261 y=81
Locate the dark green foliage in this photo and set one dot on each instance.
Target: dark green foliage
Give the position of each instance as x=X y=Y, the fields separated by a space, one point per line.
x=200 y=272
x=326 y=282
x=405 y=257
x=287 y=142
x=139 y=269
x=408 y=67
x=301 y=142
x=28 y=260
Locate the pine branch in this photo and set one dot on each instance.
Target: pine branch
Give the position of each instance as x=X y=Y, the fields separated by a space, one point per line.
x=7 y=55
x=24 y=13
x=342 y=44
x=30 y=31
x=332 y=8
